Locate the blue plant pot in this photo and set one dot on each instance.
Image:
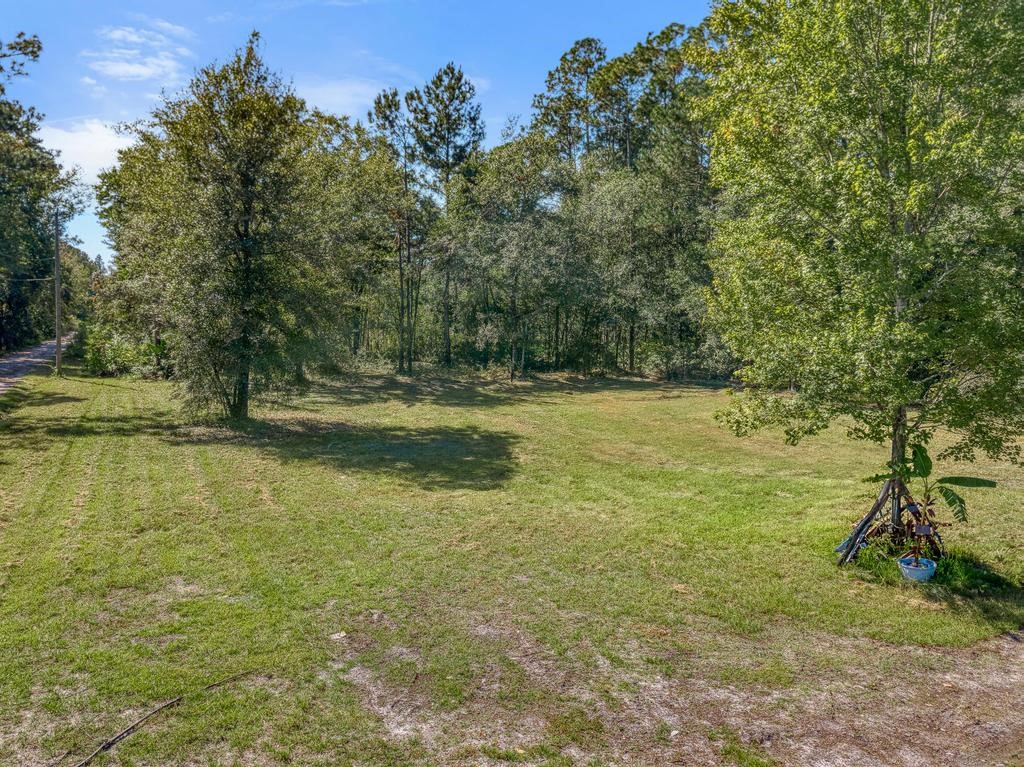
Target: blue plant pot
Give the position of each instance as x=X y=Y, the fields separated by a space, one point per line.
x=921 y=572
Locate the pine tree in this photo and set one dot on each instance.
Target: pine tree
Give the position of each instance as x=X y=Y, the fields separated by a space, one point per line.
x=448 y=128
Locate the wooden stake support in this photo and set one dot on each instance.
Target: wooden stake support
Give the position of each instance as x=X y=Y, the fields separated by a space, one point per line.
x=919 y=527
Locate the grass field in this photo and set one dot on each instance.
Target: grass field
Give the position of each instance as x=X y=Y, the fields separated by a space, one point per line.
x=453 y=572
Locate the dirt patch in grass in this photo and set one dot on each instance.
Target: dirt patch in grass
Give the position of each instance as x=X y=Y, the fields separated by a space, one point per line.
x=893 y=705
x=401 y=714
x=538 y=662
x=28 y=739
x=171 y=590
x=407 y=713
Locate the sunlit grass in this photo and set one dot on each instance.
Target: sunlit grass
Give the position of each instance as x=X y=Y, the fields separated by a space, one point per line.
x=141 y=557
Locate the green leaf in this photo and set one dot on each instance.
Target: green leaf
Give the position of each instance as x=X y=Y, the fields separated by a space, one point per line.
x=922 y=461
x=967 y=481
x=955 y=502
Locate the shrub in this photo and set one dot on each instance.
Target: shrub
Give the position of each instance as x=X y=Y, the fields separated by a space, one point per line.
x=109 y=353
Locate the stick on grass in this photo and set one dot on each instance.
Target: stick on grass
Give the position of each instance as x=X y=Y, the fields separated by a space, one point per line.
x=111 y=742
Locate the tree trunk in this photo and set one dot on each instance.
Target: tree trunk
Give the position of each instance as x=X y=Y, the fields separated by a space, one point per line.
x=557 y=355
x=413 y=305
x=565 y=337
x=522 y=352
x=240 y=402
x=447 y=318
x=632 y=347
x=355 y=339
x=401 y=307
x=898 y=455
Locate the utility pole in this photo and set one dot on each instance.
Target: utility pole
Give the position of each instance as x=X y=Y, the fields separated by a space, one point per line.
x=56 y=287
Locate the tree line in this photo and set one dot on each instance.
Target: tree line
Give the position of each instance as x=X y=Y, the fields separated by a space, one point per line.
x=257 y=239
x=824 y=200
x=36 y=198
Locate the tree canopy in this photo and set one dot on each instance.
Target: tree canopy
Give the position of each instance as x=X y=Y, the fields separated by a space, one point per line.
x=36 y=194
x=826 y=196
x=867 y=249
x=255 y=237
x=214 y=212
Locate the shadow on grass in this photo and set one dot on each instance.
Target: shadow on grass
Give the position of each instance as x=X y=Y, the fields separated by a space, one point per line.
x=51 y=399
x=479 y=392
x=19 y=397
x=963 y=573
x=433 y=457
x=437 y=457
x=962 y=580
x=22 y=395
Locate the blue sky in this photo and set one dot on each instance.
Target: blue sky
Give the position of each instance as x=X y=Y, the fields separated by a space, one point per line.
x=107 y=62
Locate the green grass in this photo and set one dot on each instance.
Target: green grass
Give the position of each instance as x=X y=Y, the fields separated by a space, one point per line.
x=735 y=752
x=470 y=540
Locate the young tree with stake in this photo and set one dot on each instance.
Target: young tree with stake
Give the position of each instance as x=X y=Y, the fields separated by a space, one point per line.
x=867 y=248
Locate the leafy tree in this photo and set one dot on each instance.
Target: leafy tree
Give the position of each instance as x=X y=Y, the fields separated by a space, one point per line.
x=80 y=276
x=630 y=90
x=514 y=236
x=33 y=189
x=212 y=206
x=127 y=326
x=15 y=54
x=642 y=192
x=448 y=129
x=868 y=261
x=676 y=230
x=353 y=180
x=446 y=123
x=597 y=261
x=612 y=207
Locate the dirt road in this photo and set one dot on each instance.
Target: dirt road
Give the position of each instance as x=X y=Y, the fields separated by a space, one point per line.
x=14 y=366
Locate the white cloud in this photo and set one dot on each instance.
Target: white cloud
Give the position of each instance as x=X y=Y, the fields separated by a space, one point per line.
x=350 y=96
x=90 y=144
x=482 y=84
x=132 y=36
x=353 y=94
x=162 y=67
x=92 y=86
x=175 y=30
x=141 y=53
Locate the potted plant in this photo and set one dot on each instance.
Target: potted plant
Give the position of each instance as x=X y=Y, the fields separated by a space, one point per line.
x=920 y=518
x=911 y=521
x=915 y=567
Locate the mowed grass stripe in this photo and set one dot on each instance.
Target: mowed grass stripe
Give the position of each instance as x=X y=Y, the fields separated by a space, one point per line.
x=43 y=536
x=460 y=550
